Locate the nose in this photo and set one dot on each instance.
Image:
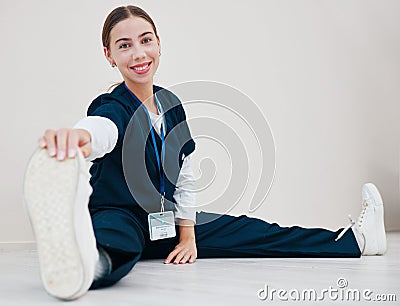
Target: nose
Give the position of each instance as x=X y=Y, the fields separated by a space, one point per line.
x=138 y=52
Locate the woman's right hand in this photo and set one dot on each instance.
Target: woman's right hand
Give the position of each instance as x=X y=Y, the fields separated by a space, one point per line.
x=63 y=143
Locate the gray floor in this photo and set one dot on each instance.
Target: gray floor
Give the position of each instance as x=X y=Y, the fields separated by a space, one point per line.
x=214 y=281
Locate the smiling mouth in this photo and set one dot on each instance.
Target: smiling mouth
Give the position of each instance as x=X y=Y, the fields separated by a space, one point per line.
x=141 y=67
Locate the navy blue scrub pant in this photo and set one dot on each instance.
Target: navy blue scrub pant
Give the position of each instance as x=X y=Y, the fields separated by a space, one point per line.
x=124 y=234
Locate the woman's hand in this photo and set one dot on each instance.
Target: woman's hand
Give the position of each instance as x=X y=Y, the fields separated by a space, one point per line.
x=186 y=249
x=64 y=142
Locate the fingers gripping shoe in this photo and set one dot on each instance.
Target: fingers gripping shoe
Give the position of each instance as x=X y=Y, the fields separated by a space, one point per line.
x=56 y=198
x=371 y=221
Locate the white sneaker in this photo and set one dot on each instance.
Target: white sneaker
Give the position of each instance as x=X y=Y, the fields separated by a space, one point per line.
x=371 y=222
x=56 y=198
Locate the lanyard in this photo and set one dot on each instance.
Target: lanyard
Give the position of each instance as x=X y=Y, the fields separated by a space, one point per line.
x=159 y=161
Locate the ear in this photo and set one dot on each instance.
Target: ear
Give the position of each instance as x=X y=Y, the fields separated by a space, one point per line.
x=108 y=56
x=159 y=43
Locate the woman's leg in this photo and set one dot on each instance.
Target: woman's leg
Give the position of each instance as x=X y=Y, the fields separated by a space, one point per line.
x=223 y=235
x=119 y=234
x=219 y=235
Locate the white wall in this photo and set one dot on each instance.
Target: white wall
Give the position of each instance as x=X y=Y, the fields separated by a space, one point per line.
x=326 y=75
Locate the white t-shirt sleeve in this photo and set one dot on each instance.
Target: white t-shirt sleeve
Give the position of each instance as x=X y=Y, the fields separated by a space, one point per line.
x=103 y=133
x=184 y=194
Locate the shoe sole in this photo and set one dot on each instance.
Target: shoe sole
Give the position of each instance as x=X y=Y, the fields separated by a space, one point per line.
x=372 y=191
x=50 y=190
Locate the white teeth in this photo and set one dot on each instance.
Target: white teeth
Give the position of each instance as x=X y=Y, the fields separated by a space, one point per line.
x=141 y=68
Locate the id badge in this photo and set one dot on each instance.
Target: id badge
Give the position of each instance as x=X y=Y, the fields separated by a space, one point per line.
x=161 y=225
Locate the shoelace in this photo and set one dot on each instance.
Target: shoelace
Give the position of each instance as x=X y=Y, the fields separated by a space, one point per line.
x=352 y=222
x=361 y=217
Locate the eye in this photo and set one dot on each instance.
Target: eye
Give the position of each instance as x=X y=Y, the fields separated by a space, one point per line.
x=124 y=46
x=147 y=40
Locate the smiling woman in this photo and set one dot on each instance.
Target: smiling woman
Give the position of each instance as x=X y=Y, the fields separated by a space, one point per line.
x=91 y=230
x=131 y=43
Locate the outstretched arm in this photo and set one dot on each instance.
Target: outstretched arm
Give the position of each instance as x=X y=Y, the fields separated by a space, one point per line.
x=93 y=135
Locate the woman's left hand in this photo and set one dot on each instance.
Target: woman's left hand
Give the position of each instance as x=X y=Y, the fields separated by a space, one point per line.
x=184 y=251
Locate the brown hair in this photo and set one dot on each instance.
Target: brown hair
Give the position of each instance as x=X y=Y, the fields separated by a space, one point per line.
x=122 y=13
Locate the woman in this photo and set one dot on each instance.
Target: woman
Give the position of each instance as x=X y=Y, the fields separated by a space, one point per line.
x=91 y=235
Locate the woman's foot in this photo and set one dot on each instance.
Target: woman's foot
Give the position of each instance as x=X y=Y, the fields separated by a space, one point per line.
x=56 y=198
x=371 y=221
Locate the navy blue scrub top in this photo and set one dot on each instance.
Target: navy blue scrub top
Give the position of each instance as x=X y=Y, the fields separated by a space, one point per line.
x=111 y=178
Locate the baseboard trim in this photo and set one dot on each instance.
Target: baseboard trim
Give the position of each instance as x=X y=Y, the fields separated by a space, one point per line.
x=18 y=246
